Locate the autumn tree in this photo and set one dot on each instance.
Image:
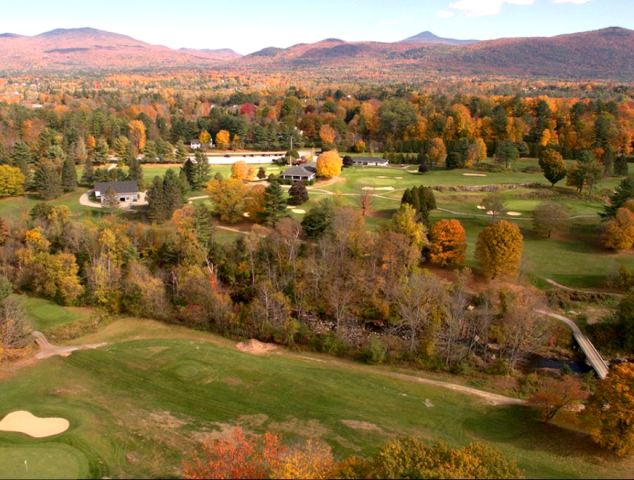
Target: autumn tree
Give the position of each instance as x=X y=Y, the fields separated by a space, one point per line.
x=328 y=135
x=228 y=198
x=437 y=151
x=404 y=221
x=240 y=170
x=11 y=181
x=587 y=171
x=14 y=329
x=329 y=164
x=223 y=139
x=555 y=394
x=549 y=217
x=499 y=249
x=618 y=233
x=553 y=165
x=494 y=205
x=136 y=131
x=204 y=138
x=612 y=407
x=448 y=243
x=412 y=458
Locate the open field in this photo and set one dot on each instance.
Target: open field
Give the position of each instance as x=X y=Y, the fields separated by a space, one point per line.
x=136 y=405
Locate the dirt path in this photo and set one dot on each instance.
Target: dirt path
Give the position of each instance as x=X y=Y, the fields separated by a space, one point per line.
x=550 y=281
x=48 y=350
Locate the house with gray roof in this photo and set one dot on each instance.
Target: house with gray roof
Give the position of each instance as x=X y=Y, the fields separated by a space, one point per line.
x=299 y=173
x=126 y=192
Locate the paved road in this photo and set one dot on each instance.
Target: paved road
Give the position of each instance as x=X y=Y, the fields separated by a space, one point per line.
x=592 y=354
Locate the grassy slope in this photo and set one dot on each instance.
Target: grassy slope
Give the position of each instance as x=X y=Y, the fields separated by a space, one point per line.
x=137 y=404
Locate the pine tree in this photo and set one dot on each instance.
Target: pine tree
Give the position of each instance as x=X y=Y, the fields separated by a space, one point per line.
x=156 y=201
x=203 y=174
x=135 y=172
x=101 y=151
x=69 y=175
x=189 y=171
x=21 y=157
x=47 y=181
x=181 y=151
x=624 y=192
x=274 y=204
x=261 y=173
x=173 y=193
x=87 y=176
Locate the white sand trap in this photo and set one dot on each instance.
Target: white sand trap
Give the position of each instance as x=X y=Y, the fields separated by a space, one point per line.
x=398 y=178
x=481 y=207
x=290 y=207
x=490 y=213
x=382 y=176
x=385 y=189
x=25 y=422
x=514 y=214
x=246 y=214
x=474 y=174
x=301 y=211
x=255 y=347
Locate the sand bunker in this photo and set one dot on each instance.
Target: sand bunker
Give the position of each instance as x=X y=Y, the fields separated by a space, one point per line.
x=398 y=178
x=481 y=207
x=382 y=176
x=25 y=422
x=299 y=210
x=474 y=174
x=255 y=347
x=386 y=189
x=357 y=425
x=514 y=214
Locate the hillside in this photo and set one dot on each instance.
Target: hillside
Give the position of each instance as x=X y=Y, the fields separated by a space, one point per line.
x=89 y=48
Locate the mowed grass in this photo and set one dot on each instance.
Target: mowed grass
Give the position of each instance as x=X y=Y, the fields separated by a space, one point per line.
x=137 y=406
x=45 y=316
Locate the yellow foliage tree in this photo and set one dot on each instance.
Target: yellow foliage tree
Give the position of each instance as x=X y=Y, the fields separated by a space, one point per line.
x=618 y=233
x=204 y=138
x=404 y=222
x=11 y=181
x=228 y=198
x=327 y=134
x=136 y=130
x=499 y=249
x=223 y=139
x=242 y=171
x=329 y=164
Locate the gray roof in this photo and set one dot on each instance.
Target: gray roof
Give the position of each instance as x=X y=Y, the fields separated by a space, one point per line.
x=369 y=160
x=118 y=187
x=299 y=171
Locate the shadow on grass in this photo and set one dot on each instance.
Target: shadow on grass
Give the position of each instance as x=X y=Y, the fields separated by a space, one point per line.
x=520 y=428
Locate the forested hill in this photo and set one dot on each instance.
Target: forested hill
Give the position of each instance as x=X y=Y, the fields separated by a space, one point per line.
x=600 y=54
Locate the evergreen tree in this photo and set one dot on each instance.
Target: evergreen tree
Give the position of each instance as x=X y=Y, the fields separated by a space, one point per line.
x=274 y=204
x=156 y=201
x=203 y=173
x=21 y=157
x=261 y=173
x=47 y=181
x=181 y=151
x=624 y=192
x=173 y=193
x=101 y=151
x=69 y=175
x=621 y=168
x=189 y=171
x=298 y=194
x=87 y=176
x=135 y=172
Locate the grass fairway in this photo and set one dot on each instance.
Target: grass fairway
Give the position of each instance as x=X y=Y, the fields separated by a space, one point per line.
x=46 y=316
x=136 y=405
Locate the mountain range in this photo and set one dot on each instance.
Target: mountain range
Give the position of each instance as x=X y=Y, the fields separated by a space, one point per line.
x=606 y=53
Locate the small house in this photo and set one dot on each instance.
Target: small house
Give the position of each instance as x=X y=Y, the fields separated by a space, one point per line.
x=369 y=162
x=195 y=144
x=299 y=173
x=126 y=192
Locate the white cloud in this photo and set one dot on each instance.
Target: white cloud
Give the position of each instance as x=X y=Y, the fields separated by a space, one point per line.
x=576 y=2
x=482 y=8
x=445 y=13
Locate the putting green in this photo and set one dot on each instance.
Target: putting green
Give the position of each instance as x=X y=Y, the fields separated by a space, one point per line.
x=43 y=460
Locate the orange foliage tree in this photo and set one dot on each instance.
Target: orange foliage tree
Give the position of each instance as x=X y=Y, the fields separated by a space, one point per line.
x=241 y=171
x=251 y=456
x=223 y=139
x=448 y=243
x=555 y=394
x=136 y=130
x=327 y=134
x=329 y=164
x=618 y=233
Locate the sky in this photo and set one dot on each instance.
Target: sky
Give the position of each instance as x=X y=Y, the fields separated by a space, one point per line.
x=249 y=25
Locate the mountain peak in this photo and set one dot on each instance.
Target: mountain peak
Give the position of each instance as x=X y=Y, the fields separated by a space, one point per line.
x=432 y=38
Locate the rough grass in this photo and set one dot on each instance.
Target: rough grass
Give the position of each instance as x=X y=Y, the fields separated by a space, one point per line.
x=137 y=405
x=46 y=316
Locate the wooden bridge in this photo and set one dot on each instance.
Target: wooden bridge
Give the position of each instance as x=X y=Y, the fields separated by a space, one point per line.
x=593 y=357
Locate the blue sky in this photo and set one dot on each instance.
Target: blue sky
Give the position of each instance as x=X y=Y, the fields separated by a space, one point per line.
x=248 y=25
